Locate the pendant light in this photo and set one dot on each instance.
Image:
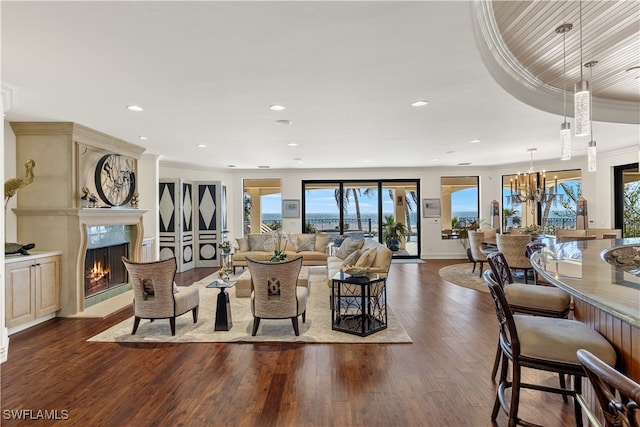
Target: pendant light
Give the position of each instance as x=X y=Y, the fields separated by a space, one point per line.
x=591 y=146
x=582 y=96
x=565 y=127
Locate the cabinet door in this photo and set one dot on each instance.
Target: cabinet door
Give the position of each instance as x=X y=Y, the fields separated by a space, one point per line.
x=19 y=293
x=47 y=285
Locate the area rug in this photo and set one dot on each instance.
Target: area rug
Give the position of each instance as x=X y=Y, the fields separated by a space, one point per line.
x=461 y=275
x=316 y=329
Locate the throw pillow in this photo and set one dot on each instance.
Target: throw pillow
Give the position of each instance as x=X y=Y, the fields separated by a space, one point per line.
x=257 y=242
x=322 y=241
x=367 y=258
x=352 y=258
x=306 y=242
x=348 y=247
x=243 y=244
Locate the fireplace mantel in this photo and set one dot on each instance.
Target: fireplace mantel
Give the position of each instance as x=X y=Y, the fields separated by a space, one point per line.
x=50 y=210
x=65 y=229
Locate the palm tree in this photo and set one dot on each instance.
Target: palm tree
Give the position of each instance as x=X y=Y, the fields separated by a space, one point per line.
x=346 y=195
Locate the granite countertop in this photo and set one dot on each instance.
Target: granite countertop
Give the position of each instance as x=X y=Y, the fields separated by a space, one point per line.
x=580 y=269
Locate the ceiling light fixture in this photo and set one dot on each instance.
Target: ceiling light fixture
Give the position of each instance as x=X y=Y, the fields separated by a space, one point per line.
x=581 y=96
x=202 y=145
x=134 y=108
x=277 y=107
x=591 y=146
x=531 y=187
x=474 y=141
x=142 y=137
x=283 y=122
x=292 y=144
x=420 y=103
x=565 y=127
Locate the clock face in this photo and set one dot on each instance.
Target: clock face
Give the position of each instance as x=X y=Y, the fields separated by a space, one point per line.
x=115 y=179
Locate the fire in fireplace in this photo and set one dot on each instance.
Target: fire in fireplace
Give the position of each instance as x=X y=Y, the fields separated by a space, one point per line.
x=104 y=269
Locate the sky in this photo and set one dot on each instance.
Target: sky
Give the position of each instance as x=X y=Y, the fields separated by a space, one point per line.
x=323 y=201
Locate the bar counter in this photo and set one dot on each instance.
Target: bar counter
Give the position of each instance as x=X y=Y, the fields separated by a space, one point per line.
x=606 y=297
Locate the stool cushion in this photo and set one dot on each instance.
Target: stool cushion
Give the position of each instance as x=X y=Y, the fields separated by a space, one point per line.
x=558 y=340
x=534 y=296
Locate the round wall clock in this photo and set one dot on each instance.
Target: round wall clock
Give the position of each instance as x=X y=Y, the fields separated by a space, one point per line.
x=115 y=179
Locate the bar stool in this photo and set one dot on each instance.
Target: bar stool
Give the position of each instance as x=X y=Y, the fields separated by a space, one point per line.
x=542 y=343
x=547 y=301
x=617 y=411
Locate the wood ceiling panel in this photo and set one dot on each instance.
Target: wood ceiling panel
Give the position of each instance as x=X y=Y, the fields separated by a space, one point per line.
x=610 y=35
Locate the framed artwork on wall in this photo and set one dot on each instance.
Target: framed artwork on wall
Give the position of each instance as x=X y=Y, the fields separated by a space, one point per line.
x=290 y=208
x=431 y=208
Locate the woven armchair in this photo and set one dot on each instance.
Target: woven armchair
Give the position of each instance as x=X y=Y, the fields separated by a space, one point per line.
x=154 y=296
x=514 y=248
x=476 y=238
x=275 y=293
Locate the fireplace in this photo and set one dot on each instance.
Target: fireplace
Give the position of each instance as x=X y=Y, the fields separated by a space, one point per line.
x=104 y=269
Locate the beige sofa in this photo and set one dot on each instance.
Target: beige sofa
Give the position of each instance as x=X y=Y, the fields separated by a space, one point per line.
x=379 y=264
x=312 y=247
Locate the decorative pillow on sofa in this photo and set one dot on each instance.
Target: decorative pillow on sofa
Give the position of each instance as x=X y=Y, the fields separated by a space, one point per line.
x=322 y=241
x=243 y=244
x=306 y=242
x=257 y=242
x=348 y=247
x=352 y=258
x=367 y=258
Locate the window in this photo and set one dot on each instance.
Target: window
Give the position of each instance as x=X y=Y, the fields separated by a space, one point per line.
x=627 y=199
x=262 y=205
x=553 y=208
x=459 y=203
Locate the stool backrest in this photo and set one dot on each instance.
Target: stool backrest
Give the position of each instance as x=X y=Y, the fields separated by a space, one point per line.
x=619 y=410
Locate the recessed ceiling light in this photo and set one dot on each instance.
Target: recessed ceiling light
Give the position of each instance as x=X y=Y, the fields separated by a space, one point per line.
x=143 y=137
x=231 y=166
x=283 y=122
x=420 y=103
x=263 y=166
x=464 y=164
x=474 y=141
x=435 y=160
x=134 y=108
x=292 y=144
x=277 y=107
x=202 y=145
x=450 y=152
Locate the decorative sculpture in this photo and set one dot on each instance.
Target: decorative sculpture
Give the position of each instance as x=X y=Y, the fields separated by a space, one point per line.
x=11 y=186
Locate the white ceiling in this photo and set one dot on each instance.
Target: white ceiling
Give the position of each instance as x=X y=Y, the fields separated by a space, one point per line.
x=347 y=72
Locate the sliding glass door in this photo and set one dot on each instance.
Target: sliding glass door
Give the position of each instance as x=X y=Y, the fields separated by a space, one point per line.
x=365 y=209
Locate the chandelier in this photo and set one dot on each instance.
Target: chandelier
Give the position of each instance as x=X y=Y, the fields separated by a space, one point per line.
x=531 y=187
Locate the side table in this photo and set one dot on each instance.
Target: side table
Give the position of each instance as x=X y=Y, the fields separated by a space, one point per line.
x=359 y=303
x=223 y=308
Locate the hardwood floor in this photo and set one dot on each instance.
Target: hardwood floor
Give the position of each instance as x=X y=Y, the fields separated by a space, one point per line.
x=442 y=379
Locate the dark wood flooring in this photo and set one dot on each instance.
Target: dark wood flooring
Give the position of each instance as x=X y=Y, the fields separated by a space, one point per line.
x=442 y=379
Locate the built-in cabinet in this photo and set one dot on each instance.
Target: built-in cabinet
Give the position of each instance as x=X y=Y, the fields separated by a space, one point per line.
x=32 y=287
x=192 y=220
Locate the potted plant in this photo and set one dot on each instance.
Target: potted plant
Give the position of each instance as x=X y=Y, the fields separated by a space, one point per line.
x=393 y=232
x=225 y=247
x=463 y=234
